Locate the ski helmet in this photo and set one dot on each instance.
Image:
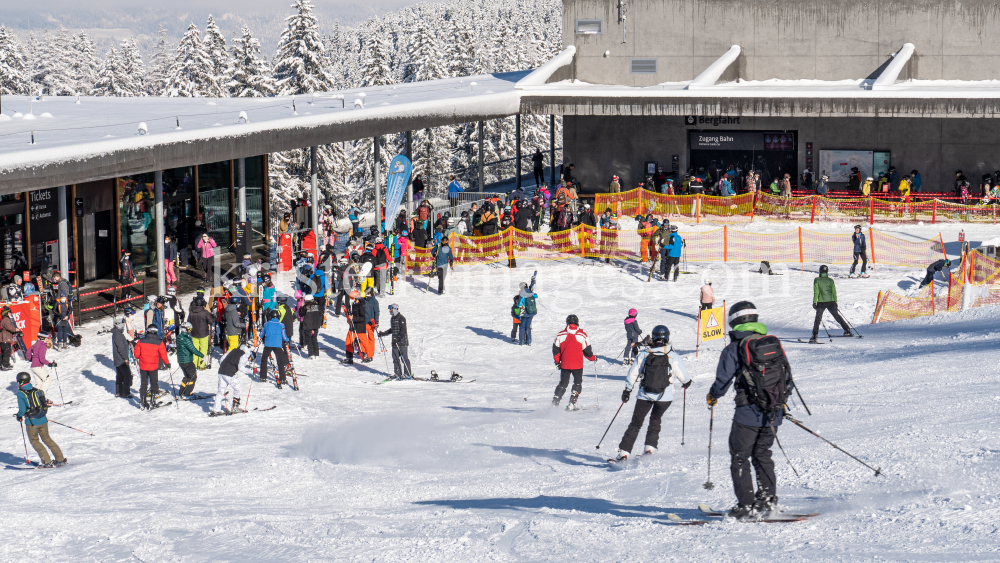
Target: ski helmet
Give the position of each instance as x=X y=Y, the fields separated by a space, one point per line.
x=308 y=297
x=708 y=281
x=673 y=228
x=282 y=299
x=660 y=336
x=572 y=320
x=23 y=377
x=632 y=312
x=234 y=300
x=524 y=285
x=151 y=329
x=393 y=309
x=742 y=312
x=186 y=327
x=824 y=269
x=273 y=315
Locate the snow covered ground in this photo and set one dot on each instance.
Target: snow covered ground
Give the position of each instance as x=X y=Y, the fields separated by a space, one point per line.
x=346 y=470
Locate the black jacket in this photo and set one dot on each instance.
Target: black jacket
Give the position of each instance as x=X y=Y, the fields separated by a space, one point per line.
x=524 y=215
x=119 y=347
x=287 y=318
x=313 y=319
x=230 y=364
x=201 y=321
x=587 y=218
x=397 y=328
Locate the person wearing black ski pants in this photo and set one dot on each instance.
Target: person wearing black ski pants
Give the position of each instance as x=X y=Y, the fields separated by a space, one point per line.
x=751 y=445
x=642 y=408
x=279 y=356
x=564 y=375
x=834 y=310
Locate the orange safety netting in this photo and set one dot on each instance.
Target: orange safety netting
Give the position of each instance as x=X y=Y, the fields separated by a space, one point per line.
x=746 y=207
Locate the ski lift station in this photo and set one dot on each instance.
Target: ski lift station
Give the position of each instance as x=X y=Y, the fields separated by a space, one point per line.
x=640 y=84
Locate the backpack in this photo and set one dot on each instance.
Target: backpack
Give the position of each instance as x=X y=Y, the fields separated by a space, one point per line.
x=765 y=371
x=529 y=306
x=37 y=405
x=656 y=373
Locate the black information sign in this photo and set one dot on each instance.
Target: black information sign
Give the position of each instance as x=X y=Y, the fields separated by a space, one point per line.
x=244 y=236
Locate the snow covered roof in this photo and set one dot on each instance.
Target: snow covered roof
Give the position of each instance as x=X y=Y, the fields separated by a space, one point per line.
x=65 y=140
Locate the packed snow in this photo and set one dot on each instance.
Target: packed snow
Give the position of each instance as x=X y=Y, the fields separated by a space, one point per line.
x=347 y=470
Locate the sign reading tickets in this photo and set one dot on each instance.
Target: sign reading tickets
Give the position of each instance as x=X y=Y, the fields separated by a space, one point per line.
x=711 y=325
x=399 y=177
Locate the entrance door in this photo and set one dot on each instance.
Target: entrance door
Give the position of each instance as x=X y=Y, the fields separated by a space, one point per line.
x=104 y=257
x=773 y=154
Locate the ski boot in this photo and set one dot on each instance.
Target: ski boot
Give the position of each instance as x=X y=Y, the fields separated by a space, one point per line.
x=434 y=376
x=649 y=450
x=555 y=401
x=348 y=361
x=864 y=274
x=572 y=406
x=852 y=276
x=44 y=466
x=848 y=333
x=455 y=376
x=60 y=463
x=741 y=512
x=367 y=360
x=812 y=340
x=620 y=456
x=765 y=503
x=279 y=385
x=236 y=406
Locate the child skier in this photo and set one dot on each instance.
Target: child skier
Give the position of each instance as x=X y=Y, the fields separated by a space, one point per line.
x=657 y=367
x=632 y=333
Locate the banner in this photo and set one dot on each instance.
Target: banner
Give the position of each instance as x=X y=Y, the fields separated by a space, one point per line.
x=399 y=177
x=27 y=315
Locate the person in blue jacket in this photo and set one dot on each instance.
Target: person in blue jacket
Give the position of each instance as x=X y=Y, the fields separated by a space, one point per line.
x=353 y=214
x=453 y=190
x=670 y=255
x=916 y=181
x=860 y=251
x=31 y=407
x=274 y=336
x=317 y=284
x=443 y=259
x=268 y=301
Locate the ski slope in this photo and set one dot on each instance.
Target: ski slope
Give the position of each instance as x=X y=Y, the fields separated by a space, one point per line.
x=346 y=470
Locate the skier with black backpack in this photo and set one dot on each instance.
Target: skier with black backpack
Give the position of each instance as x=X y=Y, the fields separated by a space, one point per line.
x=654 y=370
x=756 y=363
x=31 y=407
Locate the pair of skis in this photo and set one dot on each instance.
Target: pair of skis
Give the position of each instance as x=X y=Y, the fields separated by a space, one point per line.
x=769 y=518
x=240 y=411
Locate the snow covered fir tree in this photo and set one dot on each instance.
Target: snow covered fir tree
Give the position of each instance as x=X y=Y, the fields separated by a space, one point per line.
x=416 y=43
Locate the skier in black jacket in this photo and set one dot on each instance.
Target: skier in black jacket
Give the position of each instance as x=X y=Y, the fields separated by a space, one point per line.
x=933 y=269
x=120 y=353
x=753 y=431
x=311 y=322
x=400 y=342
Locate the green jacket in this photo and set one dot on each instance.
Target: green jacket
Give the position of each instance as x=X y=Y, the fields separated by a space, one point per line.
x=186 y=350
x=824 y=290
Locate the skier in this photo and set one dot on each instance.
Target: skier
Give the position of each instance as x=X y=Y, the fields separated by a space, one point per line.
x=657 y=241
x=230 y=367
x=400 y=341
x=8 y=335
x=186 y=354
x=860 y=251
x=149 y=353
x=707 y=295
x=383 y=259
x=934 y=268
x=825 y=298
x=63 y=313
x=120 y=352
x=40 y=365
x=234 y=324
x=657 y=367
x=632 y=334
x=286 y=315
x=568 y=351
x=443 y=260
x=670 y=255
x=275 y=337
x=528 y=308
x=312 y=320
x=201 y=330
x=757 y=415
x=31 y=407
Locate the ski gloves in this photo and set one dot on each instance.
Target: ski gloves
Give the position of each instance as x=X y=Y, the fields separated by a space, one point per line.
x=688 y=384
x=711 y=400
x=625 y=395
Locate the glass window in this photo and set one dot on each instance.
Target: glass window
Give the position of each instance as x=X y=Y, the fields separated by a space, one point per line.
x=255 y=196
x=213 y=200
x=589 y=27
x=178 y=182
x=138 y=231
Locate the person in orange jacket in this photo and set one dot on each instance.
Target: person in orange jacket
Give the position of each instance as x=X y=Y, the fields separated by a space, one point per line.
x=149 y=353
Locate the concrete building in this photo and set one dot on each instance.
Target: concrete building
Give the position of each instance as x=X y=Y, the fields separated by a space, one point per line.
x=913 y=79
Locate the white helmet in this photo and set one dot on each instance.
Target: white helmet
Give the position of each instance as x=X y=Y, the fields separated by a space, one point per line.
x=708 y=281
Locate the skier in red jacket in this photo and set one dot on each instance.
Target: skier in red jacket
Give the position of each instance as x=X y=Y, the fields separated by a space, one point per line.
x=149 y=352
x=568 y=351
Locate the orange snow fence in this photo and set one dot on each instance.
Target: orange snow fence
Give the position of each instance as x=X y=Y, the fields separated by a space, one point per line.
x=745 y=207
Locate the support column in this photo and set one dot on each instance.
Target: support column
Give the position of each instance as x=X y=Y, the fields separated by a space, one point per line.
x=378 y=182
x=481 y=187
x=552 y=148
x=161 y=272
x=63 y=234
x=241 y=178
x=409 y=185
x=517 y=142
x=314 y=195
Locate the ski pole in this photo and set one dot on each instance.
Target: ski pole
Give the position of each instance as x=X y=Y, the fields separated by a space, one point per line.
x=597 y=390
x=775 y=433
x=71 y=428
x=711 y=422
x=609 y=424
x=827 y=331
x=801 y=400
x=800 y=425
x=854 y=328
x=385 y=352
x=26 y=460
x=176 y=402
x=540 y=383
x=684 y=414
x=54 y=370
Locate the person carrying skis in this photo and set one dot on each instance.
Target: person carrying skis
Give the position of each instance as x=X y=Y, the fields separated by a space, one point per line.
x=400 y=341
x=274 y=336
x=120 y=353
x=670 y=255
x=528 y=309
x=656 y=368
x=186 y=354
x=312 y=320
x=632 y=334
x=568 y=351
x=39 y=364
x=935 y=267
x=825 y=299
x=232 y=365
x=234 y=323
x=707 y=295
x=860 y=251
x=149 y=353
x=31 y=409
x=758 y=414
x=657 y=241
